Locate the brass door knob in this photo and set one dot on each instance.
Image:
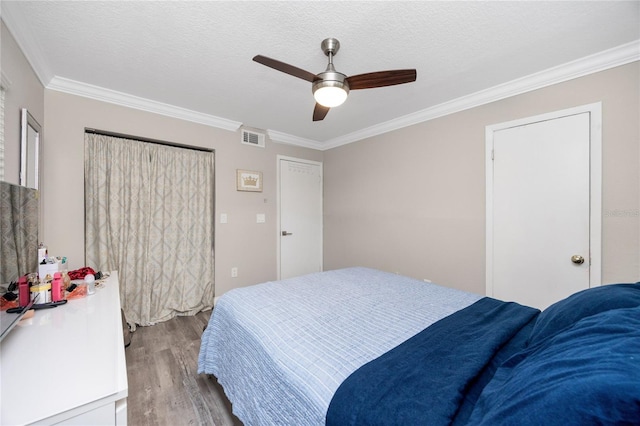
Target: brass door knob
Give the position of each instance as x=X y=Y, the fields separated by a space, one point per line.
x=577 y=259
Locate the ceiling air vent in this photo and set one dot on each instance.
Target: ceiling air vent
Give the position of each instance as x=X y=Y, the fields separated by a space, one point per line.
x=252 y=138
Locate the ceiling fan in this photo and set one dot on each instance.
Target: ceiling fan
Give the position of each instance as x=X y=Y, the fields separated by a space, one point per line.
x=330 y=88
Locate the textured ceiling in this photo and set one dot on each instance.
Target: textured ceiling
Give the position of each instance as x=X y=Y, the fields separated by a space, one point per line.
x=197 y=55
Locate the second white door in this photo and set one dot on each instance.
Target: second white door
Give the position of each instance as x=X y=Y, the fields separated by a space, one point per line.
x=300 y=212
x=538 y=210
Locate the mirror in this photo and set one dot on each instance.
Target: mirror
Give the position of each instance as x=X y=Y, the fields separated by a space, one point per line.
x=19 y=216
x=29 y=150
x=18 y=241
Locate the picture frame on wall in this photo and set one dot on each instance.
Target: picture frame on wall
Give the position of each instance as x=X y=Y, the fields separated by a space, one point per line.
x=247 y=180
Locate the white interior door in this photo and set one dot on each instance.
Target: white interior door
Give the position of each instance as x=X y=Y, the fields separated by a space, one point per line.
x=539 y=221
x=300 y=212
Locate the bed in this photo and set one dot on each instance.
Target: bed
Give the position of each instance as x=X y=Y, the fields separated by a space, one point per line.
x=358 y=346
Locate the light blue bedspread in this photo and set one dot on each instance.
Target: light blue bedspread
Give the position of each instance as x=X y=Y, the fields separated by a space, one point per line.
x=281 y=349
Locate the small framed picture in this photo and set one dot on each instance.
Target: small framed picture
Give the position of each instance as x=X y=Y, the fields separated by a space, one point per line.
x=247 y=180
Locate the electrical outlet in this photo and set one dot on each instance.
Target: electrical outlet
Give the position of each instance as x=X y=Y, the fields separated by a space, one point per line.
x=234 y=272
x=261 y=218
x=223 y=218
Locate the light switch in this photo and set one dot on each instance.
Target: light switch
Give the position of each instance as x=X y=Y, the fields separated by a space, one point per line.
x=260 y=218
x=223 y=218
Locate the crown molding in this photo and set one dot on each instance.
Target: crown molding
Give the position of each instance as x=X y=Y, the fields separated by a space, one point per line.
x=617 y=56
x=286 y=138
x=18 y=26
x=119 y=98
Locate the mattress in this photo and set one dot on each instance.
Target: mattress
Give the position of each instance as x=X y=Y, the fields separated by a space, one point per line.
x=281 y=349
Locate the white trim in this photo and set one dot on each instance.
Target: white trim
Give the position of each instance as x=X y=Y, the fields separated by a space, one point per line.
x=595 y=221
x=595 y=214
x=286 y=138
x=28 y=167
x=279 y=225
x=120 y=98
x=601 y=61
x=488 y=170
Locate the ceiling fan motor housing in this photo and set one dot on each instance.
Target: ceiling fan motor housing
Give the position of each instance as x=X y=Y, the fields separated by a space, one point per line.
x=330 y=79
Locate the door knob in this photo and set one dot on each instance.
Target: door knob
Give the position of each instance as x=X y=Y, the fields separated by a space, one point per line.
x=285 y=233
x=577 y=259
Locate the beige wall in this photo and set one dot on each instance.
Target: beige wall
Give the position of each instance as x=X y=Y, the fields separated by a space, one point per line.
x=413 y=200
x=409 y=201
x=25 y=91
x=240 y=243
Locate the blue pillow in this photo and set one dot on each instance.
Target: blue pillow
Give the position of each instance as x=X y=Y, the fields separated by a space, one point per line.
x=586 y=375
x=583 y=304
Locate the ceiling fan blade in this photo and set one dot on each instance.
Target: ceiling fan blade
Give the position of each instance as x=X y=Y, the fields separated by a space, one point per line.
x=320 y=112
x=286 y=68
x=381 y=79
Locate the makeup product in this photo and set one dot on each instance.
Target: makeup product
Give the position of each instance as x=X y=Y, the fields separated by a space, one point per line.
x=42 y=253
x=91 y=283
x=57 y=288
x=44 y=292
x=23 y=291
x=66 y=280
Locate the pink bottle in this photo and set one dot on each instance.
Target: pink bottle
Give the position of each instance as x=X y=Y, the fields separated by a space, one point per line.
x=57 y=288
x=23 y=291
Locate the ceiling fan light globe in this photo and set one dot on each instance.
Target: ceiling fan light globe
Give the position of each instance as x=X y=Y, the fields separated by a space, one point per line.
x=331 y=88
x=330 y=96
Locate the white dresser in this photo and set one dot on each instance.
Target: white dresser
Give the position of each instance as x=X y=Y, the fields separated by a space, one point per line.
x=66 y=365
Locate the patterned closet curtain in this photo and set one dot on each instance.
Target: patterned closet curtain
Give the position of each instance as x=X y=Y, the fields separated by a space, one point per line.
x=149 y=215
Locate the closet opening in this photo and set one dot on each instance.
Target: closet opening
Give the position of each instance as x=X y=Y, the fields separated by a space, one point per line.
x=149 y=214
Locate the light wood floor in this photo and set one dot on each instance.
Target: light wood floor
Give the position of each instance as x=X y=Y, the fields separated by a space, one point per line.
x=164 y=387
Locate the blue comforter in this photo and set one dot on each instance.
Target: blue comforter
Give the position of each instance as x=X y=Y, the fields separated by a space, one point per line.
x=581 y=366
x=435 y=377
